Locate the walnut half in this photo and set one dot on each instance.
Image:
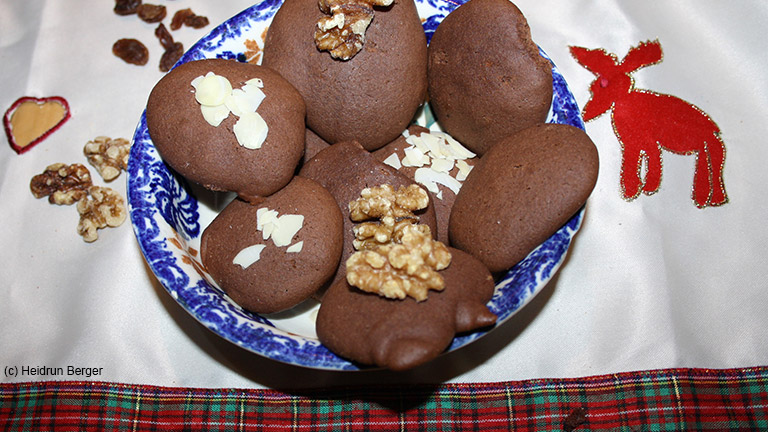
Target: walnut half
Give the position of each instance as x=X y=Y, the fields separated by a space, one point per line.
x=394 y=209
x=105 y=208
x=63 y=184
x=342 y=31
x=397 y=270
x=109 y=156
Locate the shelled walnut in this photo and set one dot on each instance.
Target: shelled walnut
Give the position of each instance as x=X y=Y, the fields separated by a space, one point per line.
x=109 y=156
x=370 y=235
x=342 y=30
x=63 y=184
x=105 y=208
x=394 y=209
x=383 y=201
x=397 y=270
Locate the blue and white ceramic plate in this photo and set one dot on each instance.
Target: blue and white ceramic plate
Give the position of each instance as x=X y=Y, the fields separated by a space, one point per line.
x=169 y=216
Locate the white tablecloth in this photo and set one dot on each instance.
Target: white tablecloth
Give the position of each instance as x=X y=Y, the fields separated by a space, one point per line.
x=651 y=283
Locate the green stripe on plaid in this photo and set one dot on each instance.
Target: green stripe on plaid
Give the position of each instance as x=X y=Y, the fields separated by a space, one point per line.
x=660 y=400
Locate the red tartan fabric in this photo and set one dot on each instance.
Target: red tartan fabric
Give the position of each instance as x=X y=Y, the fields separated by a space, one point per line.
x=661 y=400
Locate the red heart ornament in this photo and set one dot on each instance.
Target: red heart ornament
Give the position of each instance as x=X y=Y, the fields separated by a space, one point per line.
x=30 y=120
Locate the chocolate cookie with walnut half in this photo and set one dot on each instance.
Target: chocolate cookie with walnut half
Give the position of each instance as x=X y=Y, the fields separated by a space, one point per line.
x=372 y=96
x=402 y=334
x=444 y=181
x=346 y=169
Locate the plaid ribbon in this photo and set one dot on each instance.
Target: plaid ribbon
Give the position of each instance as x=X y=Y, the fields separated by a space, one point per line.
x=659 y=400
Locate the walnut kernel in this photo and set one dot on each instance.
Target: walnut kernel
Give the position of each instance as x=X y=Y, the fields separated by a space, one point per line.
x=384 y=202
x=397 y=270
x=63 y=184
x=342 y=31
x=109 y=156
x=106 y=208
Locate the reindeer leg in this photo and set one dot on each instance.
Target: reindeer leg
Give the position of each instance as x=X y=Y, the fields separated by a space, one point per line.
x=631 y=183
x=708 y=188
x=715 y=152
x=653 y=175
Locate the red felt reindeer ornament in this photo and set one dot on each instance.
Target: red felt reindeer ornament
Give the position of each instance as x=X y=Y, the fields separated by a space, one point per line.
x=646 y=122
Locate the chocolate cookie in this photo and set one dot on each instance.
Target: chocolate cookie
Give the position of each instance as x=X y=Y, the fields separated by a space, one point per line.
x=522 y=191
x=345 y=169
x=213 y=156
x=401 y=334
x=312 y=145
x=266 y=275
x=371 y=97
x=442 y=181
x=482 y=95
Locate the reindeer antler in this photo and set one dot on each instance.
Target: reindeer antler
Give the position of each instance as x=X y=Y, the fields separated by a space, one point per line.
x=646 y=54
x=596 y=61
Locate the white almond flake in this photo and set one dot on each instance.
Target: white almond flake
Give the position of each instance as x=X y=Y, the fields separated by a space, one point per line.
x=214 y=115
x=255 y=82
x=245 y=100
x=287 y=227
x=464 y=170
x=266 y=221
x=414 y=158
x=251 y=130
x=393 y=161
x=433 y=143
x=295 y=248
x=418 y=142
x=442 y=165
x=457 y=149
x=267 y=230
x=248 y=255
x=212 y=89
x=428 y=177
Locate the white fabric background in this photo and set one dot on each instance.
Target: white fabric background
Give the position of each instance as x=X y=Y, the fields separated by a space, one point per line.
x=652 y=283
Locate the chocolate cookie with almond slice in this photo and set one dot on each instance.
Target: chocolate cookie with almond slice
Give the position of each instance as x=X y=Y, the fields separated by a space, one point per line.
x=228 y=126
x=271 y=256
x=434 y=160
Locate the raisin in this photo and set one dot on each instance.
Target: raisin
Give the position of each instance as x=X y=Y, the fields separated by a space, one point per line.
x=151 y=13
x=171 y=56
x=126 y=7
x=188 y=18
x=196 y=21
x=180 y=17
x=162 y=33
x=131 y=51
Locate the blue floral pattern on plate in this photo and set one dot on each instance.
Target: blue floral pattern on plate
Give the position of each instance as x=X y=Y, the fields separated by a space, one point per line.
x=168 y=219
